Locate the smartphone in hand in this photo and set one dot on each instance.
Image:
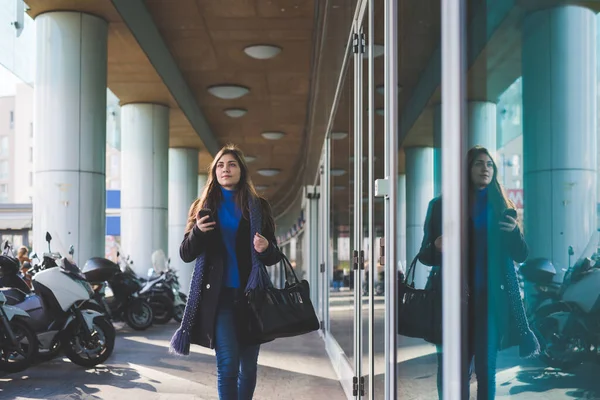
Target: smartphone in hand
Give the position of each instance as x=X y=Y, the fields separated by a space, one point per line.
x=511 y=212
x=203 y=213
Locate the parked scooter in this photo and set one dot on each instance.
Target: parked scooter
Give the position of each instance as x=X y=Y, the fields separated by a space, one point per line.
x=166 y=284
x=18 y=343
x=117 y=293
x=60 y=314
x=565 y=315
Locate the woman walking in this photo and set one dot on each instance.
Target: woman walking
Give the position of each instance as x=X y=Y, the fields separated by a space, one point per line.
x=496 y=319
x=229 y=234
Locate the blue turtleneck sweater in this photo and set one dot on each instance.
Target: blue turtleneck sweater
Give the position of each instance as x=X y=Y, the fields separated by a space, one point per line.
x=229 y=221
x=480 y=214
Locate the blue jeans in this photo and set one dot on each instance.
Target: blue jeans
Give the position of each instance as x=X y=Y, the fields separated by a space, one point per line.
x=483 y=351
x=236 y=363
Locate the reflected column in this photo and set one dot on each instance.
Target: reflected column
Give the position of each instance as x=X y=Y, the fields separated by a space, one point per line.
x=419 y=192
x=401 y=211
x=144 y=182
x=202 y=178
x=559 y=131
x=69 y=196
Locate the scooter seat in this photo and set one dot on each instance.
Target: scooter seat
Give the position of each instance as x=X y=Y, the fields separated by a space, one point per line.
x=13 y=296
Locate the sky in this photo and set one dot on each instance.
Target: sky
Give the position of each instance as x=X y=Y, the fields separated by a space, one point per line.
x=8 y=82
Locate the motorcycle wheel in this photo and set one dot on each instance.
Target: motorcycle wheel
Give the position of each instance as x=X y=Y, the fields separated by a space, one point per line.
x=19 y=358
x=180 y=309
x=162 y=308
x=51 y=353
x=93 y=351
x=139 y=315
x=559 y=350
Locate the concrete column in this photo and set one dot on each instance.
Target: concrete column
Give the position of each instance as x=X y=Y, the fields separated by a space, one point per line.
x=144 y=180
x=481 y=126
x=419 y=192
x=401 y=208
x=559 y=131
x=69 y=196
x=183 y=190
x=202 y=178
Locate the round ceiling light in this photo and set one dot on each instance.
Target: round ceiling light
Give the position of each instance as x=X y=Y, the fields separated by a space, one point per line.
x=228 y=92
x=269 y=171
x=338 y=172
x=262 y=51
x=339 y=135
x=378 y=51
x=273 y=135
x=236 y=112
x=249 y=159
x=339 y=187
x=261 y=187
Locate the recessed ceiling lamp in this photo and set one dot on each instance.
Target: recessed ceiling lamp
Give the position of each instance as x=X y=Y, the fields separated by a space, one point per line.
x=269 y=171
x=338 y=172
x=262 y=51
x=339 y=135
x=261 y=187
x=250 y=159
x=339 y=187
x=228 y=92
x=273 y=135
x=236 y=112
x=380 y=112
x=378 y=51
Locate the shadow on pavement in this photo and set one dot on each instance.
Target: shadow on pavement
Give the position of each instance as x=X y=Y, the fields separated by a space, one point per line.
x=583 y=382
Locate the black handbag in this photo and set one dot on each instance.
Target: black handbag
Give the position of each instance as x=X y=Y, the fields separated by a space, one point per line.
x=277 y=313
x=419 y=310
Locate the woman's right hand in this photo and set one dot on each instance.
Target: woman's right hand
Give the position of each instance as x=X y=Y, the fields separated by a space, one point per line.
x=203 y=225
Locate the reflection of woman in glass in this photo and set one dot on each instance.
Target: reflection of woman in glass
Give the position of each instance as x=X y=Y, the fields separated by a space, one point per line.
x=496 y=315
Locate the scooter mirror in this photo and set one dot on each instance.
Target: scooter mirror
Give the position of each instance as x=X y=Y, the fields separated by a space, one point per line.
x=48 y=237
x=6 y=244
x=71 y=250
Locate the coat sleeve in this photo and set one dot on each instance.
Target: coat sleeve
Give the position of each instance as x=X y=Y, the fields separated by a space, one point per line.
x=429 y=254
x=272 y=255
x=517 y=247
x=194 y=244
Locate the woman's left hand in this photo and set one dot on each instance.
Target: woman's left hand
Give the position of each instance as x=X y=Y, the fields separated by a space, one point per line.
x=261 y=244
x=509 y=224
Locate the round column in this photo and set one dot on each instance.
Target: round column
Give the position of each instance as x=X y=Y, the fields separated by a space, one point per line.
x=419 y=192
x=69 y=195
x=401 y=209
x=559 y=131
x=202 y=178
x=144 y=182
x=183 y=190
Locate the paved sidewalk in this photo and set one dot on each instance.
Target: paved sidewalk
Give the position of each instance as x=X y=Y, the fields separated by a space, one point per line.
x=140 y=368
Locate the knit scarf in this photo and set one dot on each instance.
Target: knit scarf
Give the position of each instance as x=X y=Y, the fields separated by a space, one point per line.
x=180 y=343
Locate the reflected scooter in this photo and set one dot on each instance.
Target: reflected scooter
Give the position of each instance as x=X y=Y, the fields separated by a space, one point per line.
x=165 y=284
x=60 y=314
x=565 y=315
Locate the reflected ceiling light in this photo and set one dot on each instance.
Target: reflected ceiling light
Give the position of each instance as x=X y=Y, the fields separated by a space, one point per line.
x=338 y=172
x=236 y=112
x=262 y=51
x=380 y=111
x=269 y=171
x=228 y=92
x=339 y=135
x=261 y=187
x=381 y=89
x=273 y=135
x=249 y=159
x=339 y=187
x=378 y=51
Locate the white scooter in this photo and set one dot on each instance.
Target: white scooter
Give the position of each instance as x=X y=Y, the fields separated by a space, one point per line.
x=18 y=343
x=59 y=312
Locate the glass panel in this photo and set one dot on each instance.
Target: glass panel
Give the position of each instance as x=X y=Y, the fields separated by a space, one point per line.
x=341 y=296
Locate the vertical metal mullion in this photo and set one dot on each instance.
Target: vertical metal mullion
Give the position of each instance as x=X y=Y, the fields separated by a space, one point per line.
x=328 y=255
x=391 y=172
x=454 y=190
x=371 y=181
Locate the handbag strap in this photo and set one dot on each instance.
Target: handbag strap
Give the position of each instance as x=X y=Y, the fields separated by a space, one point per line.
x=412 y=268
x=288 y=265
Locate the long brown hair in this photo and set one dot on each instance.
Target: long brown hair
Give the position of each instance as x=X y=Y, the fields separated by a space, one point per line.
x=211 y=196
x=497 y=195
